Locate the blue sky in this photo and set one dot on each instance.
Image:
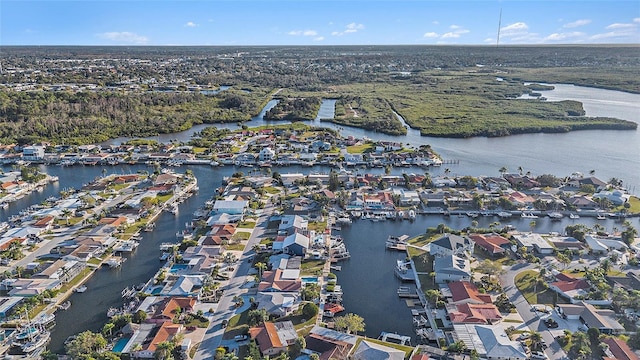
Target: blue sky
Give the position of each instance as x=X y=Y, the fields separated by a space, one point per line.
x=307 y=22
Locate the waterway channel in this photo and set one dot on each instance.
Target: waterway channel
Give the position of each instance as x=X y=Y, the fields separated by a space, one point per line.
x=611 y=153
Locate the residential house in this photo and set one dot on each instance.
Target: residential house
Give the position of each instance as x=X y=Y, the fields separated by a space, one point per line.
x=296 y=244
x=492 y=244
x=269 y=340
x=489 y=341
x=534 y=242
x=167 y=331
x=286 y=280
x=278 y=303
x=569 y=287
x=618 y=349
x=33 y=153
x=232 y=207
x=465 y=292
x=330 y=344
x=167 y=310
x=451 y=268
x=451 y=244
x=475 y=314
x=616 y=197
x=604 y=320
x=266 y=154
x=367 y=350
x=407 y=197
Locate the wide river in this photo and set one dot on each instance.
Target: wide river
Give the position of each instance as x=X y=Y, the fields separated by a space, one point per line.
x=611 y=153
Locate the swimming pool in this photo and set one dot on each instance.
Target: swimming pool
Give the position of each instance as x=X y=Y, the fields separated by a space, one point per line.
x=309 y=279
x=177 y=267
x=119 y=346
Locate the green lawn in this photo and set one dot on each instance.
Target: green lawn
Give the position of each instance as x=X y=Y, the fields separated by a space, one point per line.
x=247 y=225
x=525 y=282
x=407 y=349
x=359 y=149
x=311 y=267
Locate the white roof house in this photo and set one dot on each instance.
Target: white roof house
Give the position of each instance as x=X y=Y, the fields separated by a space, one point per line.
x=489 y=341
x=533 y=241
x=372 y=351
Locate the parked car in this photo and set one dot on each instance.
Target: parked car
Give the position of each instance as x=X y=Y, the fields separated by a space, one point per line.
x=551 y=323
x=523 y=336
x=539 y=355
x=240 y=337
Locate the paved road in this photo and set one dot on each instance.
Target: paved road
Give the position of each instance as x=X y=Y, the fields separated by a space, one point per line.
x=225 y=308
x=531 y=318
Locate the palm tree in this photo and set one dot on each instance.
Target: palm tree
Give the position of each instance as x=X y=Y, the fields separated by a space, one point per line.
x=535 y=340
x=532 y=225
x=520 y=170
x=503 y=170
x=261 y=267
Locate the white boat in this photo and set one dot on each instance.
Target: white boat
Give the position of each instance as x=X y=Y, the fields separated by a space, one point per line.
x=529 y=216
x=574 y=216
x=412 y=214
x=37 y=342
x=65 y=305
x=601 y=217
x=504 y=214
x=80 y=289
x=5 y=205
x=45 y=319
x=555 y=215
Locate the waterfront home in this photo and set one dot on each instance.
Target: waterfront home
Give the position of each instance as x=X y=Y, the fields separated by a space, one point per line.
x=63 y=270
x=562 y=243
x=7 y=305
x=433 y=199
x=602 y=319
x=602 y=245
x=406 y=197
x=367 y=350
x=534 y=242
x=474 y=314
x=220 y=234
x=272 y=338
x=441 y=182
x=202 y=259
x=291 y=224
x=465 y=292
x=167 y=331
x=618 y=349
x=451 y=268
x=295 y=244
x=223 y=219
x=167 y=309
x=451 y=244
x=303 y=206
x=582 y=202
x=232 y=207
x=266 y=154
x=278 y=303
x=32 y=287
x=330 y=344
x=520 y=199
x=616 y=197
x=518 y=181
x=165 y=179
x=492 y=244
x=33 y=153
x=287 y=280
x=570 y=288
x=489 y=341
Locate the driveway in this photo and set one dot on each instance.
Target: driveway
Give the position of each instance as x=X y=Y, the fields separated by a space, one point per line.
x=531 y=318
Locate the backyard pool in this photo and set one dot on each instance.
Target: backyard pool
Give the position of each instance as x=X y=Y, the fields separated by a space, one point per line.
x=119 y=346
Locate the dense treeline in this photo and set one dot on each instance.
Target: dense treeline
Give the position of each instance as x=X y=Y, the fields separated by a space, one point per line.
x=298 y=109
x=89 y=117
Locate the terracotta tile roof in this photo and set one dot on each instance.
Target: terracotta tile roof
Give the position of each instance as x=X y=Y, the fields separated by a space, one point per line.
x=492 y=243
x=619 y=349
x=273 y=280
x=565 y=286
x=266 y=335
x=564 y=277
x=475 y=313
x=462 y=290
x=167 y=331
x=186 y=304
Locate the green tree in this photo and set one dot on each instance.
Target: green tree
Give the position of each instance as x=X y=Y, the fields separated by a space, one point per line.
x=350 y=323
x=310 y=310
x=86 y=344
x=164 y=350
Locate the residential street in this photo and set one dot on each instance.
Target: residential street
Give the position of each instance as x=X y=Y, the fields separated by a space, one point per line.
x=225 y=309
x=531 y=318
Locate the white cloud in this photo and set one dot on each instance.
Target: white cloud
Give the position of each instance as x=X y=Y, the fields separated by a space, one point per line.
x=303 y=33
x=564 y=36
x=319 y=38
x=636 y=20
x=456 y=33
x=431 y=35
x=620 y=26
x=124 y=37
x=454 y=27
x=450 y=35
x=349 y=29
x=514 y=28
x=435 y=22
x=577 y=23
x=190 y=24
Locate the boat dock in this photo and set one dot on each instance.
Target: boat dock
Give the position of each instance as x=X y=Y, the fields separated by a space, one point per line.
x=395 y=338
x=405 y=292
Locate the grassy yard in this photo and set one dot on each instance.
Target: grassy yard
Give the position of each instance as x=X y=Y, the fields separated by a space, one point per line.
x=359 y=149
x=525 y=282
x=247 y=225
x=317 y=226
x=423 y=239
x=407 y=349
x=311 y=267
x=635 y=205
